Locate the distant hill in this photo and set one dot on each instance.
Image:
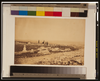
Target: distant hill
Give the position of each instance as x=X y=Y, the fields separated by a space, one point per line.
x=64 y=43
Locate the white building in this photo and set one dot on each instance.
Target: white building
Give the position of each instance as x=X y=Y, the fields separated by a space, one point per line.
x=29 y=43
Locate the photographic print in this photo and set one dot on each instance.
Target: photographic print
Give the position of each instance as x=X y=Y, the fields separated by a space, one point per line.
x=49 y=41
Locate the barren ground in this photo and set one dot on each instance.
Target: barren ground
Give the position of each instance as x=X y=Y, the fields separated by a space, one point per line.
x=64 y=58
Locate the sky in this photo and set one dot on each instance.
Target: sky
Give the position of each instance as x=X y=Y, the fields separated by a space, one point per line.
x=50 y=29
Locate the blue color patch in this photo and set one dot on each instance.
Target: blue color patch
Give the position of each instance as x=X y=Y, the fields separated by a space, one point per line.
x=23 y=12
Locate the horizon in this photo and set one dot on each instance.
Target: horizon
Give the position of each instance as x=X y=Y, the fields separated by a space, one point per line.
x=55 y=42
x=30 y=29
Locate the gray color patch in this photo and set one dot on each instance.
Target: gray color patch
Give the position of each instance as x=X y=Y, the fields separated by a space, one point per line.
x=92 y=7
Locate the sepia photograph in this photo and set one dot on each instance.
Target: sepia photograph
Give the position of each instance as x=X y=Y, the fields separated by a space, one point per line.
x=49 y=41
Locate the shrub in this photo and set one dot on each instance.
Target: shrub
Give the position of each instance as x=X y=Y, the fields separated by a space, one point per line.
x=18 y=47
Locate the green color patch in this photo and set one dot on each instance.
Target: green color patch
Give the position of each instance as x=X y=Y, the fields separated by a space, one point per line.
x=32 y=13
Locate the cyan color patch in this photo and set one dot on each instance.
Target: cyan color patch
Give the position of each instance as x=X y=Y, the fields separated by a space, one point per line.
x=23 y=12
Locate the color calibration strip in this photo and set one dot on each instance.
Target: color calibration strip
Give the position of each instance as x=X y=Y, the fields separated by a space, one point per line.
x=49 y=11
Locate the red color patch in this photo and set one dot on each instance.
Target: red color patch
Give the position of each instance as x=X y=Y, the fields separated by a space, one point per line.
x=48 y=13
x=57 y=13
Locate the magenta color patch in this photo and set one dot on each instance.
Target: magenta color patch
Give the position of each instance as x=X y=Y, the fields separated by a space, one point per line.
x=57 y=13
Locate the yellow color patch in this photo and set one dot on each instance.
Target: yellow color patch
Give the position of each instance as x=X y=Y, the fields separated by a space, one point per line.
x=48 y=9
x=40 y=13
x=74 y=9
x=39 y=8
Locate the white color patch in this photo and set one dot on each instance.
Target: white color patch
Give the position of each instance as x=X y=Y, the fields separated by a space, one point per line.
x=65 y=12
x=14 y=7
x=57 y=9
x=31 y=8
x=23 y=8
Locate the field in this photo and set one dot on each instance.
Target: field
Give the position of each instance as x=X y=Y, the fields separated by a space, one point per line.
x=40 y=54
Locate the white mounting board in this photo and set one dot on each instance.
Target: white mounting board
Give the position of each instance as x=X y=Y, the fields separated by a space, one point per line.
x=9 y=41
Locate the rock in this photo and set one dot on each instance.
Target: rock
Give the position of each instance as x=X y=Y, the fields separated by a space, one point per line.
x=78 y=60
x=31 y=50
x=58 y=62
x=67 y=49
x=61 y=59
x=49 y=48
x=42 y=48
x=62 y=50
x=65 y=62
x=55 y=49
x=75 y=64
x=71 y=62
x=44 y=51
